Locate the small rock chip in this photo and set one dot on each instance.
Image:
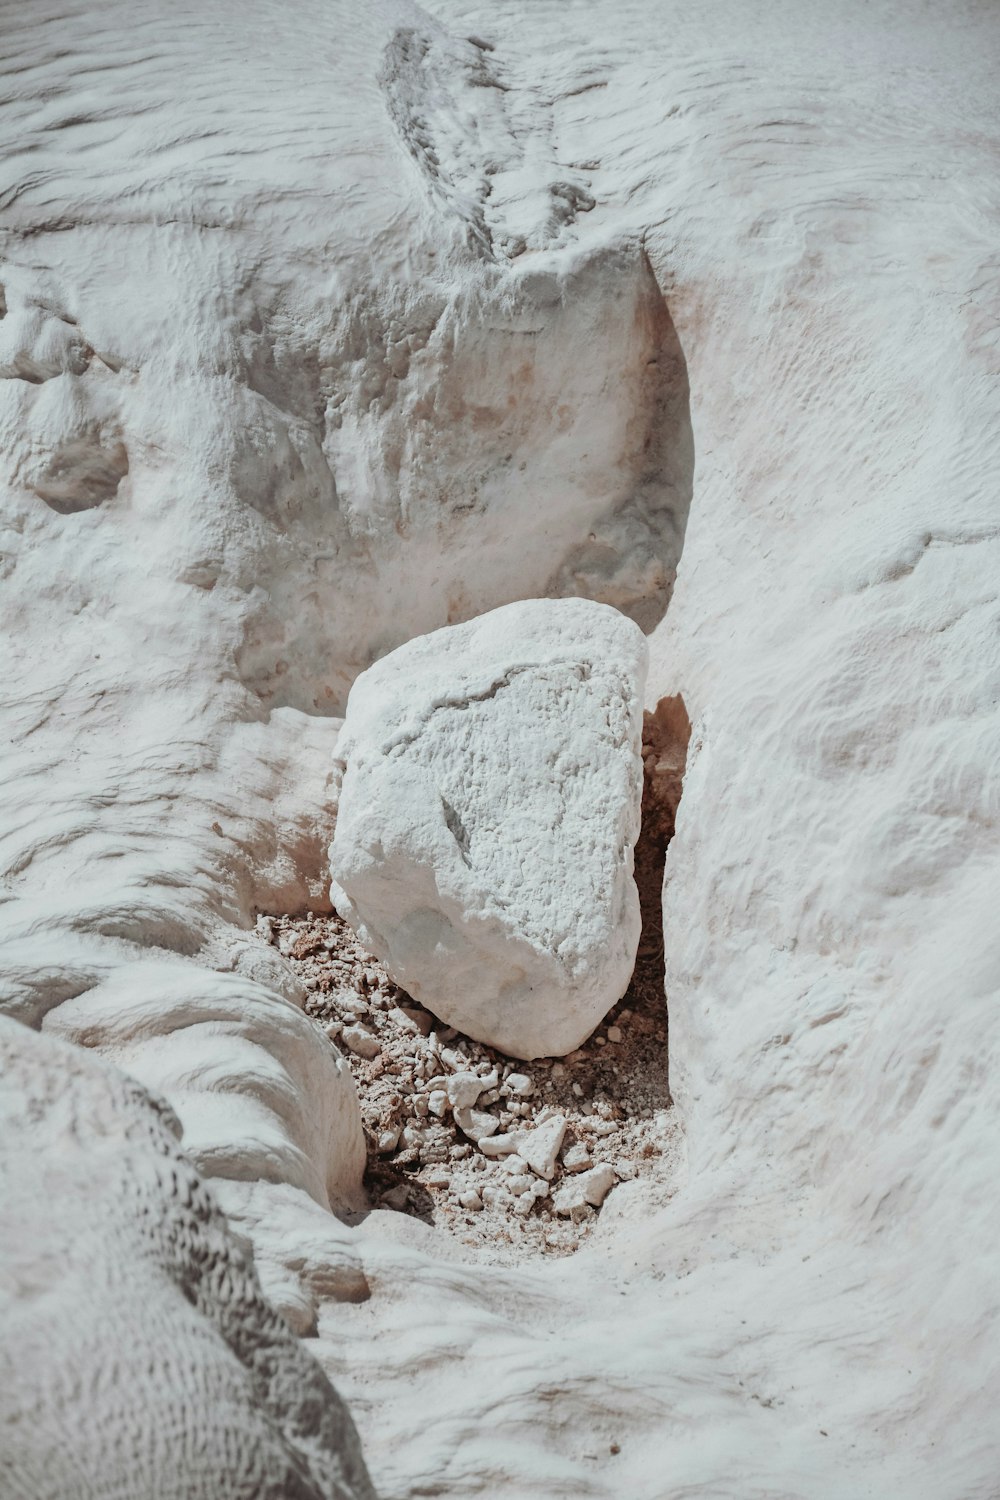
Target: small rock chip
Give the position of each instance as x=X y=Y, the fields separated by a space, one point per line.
x=500 y=1145
x=360 y=1041
x=396 y=1197
x=436 y=1178
x=591 y=1188
x=388 y=1141
x=614 y=1033
x=624 y=1171
x=578 y=1091
x=576 y=1158
x=476 y=1123
x=471 y=1201
x=416 y=1022
x=437 y=1103
x=464 y=1089
x=540 y=1147
x=519 y=1086
x=516 y=1166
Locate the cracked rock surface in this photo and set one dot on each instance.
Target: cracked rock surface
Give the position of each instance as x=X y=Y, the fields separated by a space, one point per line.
x=490 y=790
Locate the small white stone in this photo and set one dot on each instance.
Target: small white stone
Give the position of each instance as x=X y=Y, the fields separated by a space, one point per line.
x=470 y=1200
x=500 y=1145
x=614 y=1033
x=437 y=1103
x=412 y=1136
x=416 y=1022
x=495 y=1197
x=624 y=1171
x=540 y=1147
x=360 y=1041
x=578 y=1091
x=516 y=1166
x=600 y=1040
x=576 y=1158
x=476 y=1123
x=464 y=1089
x=519 y=1086
x=388 y=1141
x=519 y=1185
x=587 y=1188
x=558 y=1070
x=396 y=1197
x=437 y=1178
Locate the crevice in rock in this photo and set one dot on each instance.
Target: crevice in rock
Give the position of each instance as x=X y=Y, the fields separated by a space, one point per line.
x=447 y=1162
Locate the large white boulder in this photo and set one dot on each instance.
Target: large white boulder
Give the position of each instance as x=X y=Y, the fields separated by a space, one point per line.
x=490 y=790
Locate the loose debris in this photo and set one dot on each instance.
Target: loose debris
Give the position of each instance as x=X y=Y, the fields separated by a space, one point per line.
x=501 y=1152
x=514 y=1157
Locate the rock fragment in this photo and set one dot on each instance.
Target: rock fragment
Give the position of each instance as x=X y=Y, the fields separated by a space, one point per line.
x=464 y=1089
x=540 y=1147
x=588 y=1188
x=360 y=1041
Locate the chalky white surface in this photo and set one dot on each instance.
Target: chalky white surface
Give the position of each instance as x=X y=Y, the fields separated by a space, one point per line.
x=232 y=207
x=489 y=802
x=139 y=1355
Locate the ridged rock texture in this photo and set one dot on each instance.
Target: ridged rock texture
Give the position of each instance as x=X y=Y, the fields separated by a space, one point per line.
x=140 y=1356
x=489 y=803
x=327 y=325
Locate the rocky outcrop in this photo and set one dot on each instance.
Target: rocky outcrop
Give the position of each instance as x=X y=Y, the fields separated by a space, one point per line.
x=140 y=1356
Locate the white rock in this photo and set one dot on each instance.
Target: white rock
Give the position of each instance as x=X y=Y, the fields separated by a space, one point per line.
x=388 y=1140
x=614 y=1033
x=576 y=1158
x=417 y=1022
x=476 y=1123
x=518 y=1086
x=464 y=1089
x=360 y=1041
x=516 y=1166
x=540 y=1147
x=105 y=1221
x=587 y=1188
x=470 y=1200
x=490 y=786
x=501 y=1145
x=437 y=1103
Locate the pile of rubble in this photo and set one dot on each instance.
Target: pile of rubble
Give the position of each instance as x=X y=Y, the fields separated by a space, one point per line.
x=517 y=1157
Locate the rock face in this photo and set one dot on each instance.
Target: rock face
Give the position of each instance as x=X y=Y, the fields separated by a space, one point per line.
x=489 y=804
x=139 y=1354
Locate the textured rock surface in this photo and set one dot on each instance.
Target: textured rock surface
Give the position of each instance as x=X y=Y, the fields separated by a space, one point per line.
x=489 y=803
x=139 y=1355
x=233 y=208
